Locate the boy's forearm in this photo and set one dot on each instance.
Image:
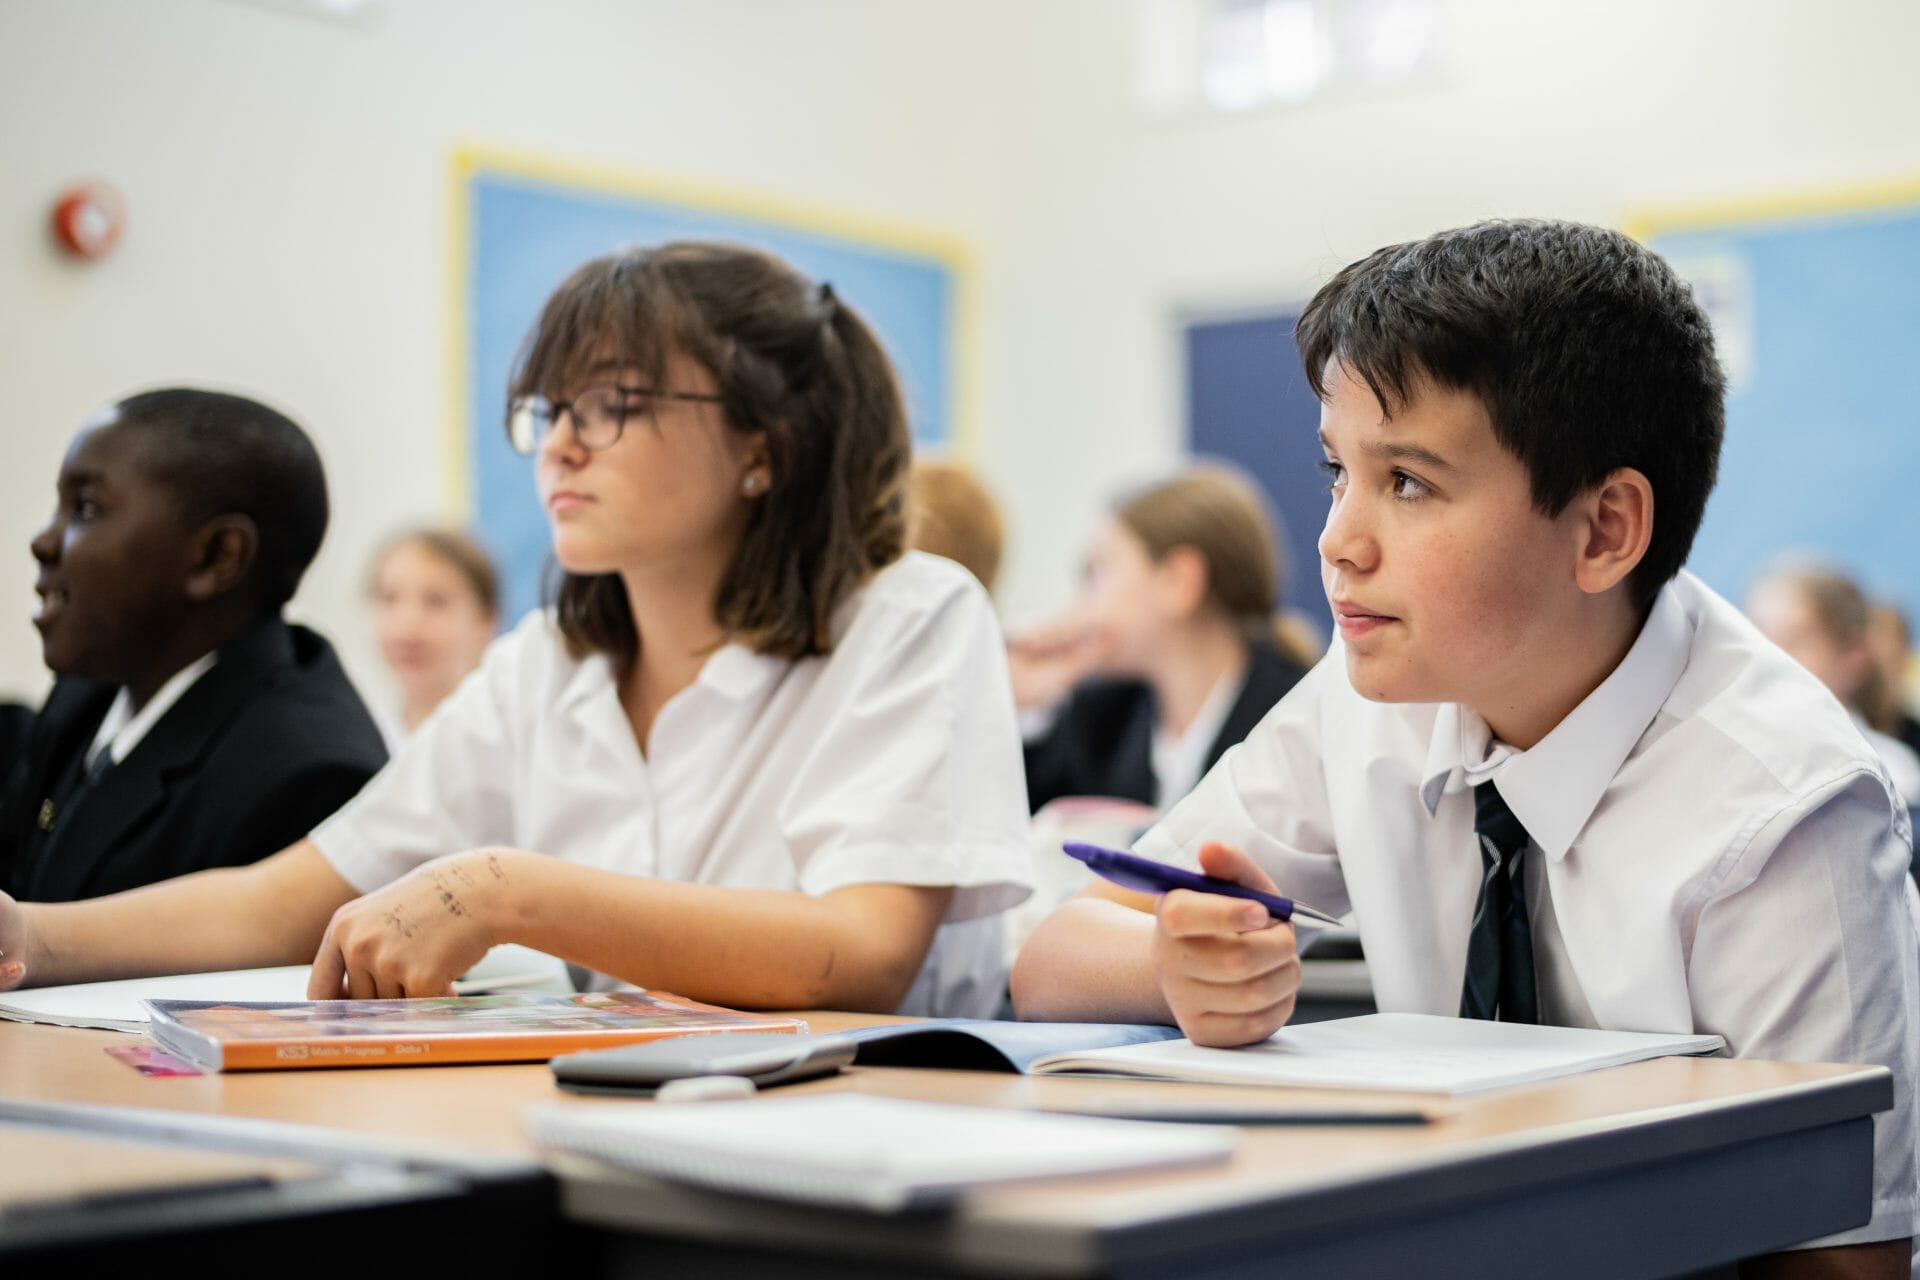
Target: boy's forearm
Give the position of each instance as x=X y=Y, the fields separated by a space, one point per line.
x=227 y=918
x=1090 y=961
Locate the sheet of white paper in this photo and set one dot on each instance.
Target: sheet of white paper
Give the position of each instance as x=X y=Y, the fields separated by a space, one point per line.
x=115 y=1006
x=882 y=1154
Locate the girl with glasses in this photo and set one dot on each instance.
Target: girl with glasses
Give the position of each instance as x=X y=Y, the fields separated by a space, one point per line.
x=756 y=754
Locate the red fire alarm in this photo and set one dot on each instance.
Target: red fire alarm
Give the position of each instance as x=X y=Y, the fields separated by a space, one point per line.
x=88 y=218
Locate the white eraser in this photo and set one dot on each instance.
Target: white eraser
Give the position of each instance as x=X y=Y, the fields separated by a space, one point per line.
x=705 y=1089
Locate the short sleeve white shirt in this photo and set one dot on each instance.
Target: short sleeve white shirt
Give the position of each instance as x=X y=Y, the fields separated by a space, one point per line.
x=1714 y=848
x=892 y=759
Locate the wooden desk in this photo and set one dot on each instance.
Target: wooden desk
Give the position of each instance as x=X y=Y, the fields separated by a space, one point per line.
x=1650 y=1169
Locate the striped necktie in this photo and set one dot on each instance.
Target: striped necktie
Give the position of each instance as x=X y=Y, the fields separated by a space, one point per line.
x=1499 y=981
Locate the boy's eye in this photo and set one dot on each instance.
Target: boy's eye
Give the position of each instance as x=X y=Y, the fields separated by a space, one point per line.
x=1406 y=486
x=1335 y=473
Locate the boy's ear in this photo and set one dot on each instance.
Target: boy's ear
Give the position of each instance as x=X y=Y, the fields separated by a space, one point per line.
x=224 y=551
x=1615 y=530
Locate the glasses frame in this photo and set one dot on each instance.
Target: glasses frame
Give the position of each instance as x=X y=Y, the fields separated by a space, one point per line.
x=529 y=405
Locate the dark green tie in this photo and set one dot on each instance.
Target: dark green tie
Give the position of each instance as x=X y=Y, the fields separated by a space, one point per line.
x=1499 y=980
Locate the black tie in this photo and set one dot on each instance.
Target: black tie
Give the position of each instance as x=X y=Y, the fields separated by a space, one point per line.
x=1499 y=980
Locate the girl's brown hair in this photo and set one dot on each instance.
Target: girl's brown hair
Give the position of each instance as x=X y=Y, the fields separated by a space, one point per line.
x=795 y=365
x=1221 y=514
x=463 y=554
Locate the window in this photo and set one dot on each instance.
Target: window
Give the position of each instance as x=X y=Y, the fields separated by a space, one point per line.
x=1235 y=55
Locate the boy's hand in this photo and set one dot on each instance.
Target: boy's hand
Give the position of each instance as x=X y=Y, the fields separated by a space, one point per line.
x=13 y=943
x=1228 y=970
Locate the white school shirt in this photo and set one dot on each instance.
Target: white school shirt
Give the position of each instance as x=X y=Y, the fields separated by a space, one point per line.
x=1714 y=848
x=893 y=759
x=122 y=728
x=1903 y=766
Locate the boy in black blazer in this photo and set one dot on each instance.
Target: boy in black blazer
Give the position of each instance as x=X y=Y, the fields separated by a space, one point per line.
x=189 y=726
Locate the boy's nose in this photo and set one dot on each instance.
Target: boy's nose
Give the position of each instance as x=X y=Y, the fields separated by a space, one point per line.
x=1346 y=541
x=45 y=545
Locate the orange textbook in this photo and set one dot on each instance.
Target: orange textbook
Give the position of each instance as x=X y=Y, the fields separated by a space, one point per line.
x=435 y=1031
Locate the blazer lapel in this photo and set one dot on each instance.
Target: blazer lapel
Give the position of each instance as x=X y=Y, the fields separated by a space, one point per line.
x=62 y=731
x=1269 y=676
x=1132 y=774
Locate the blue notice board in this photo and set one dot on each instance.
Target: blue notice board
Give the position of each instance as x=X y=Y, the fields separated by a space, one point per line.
x=526 y=233
x=1248 y=402
x=1817 y=320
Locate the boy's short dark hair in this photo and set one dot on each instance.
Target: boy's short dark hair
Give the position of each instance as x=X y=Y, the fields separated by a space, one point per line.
x=220 y=454
x=1588 y=352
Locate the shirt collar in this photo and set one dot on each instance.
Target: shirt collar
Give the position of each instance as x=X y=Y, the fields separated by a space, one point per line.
x=1554 y=787
x=736 y=672
x=122 y=728
x=732 y=671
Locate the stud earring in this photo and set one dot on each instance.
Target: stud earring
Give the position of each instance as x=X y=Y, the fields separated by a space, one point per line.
x=750 y=485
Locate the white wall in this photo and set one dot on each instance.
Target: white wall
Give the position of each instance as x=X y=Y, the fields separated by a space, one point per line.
x=288 y=184
x=1569 y=108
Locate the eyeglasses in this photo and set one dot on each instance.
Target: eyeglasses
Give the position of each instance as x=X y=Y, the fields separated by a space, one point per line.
x=598 y=414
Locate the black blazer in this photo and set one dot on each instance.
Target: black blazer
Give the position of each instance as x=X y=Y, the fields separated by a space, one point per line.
x=270 y=741
x=1101 y=744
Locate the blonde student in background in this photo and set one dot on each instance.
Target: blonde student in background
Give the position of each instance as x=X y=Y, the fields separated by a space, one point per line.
x=1823 y=621
x=1169 y=657
x=436 y=606
x=1554 y=777
x=952 y=514
x=1172 y=652
x=756 y=754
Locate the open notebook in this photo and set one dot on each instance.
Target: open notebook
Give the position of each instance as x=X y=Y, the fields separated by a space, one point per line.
x=857 y=1151
x=1412 y=1051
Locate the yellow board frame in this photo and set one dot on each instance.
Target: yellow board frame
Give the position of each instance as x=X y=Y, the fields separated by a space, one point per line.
x=1782 y=206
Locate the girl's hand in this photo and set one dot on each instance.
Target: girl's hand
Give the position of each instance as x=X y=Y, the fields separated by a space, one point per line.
x=416 y=935
x=1046 y=661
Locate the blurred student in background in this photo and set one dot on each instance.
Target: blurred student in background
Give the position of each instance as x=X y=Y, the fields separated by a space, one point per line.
x=758 y=754
x=436 y=605
x=1173 y=652
x=951 y=514
x=1820 y=617
x=189 y=726
x=1892 y=645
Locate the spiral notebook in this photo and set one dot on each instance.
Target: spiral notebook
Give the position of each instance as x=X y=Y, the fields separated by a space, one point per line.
x=856 y=1151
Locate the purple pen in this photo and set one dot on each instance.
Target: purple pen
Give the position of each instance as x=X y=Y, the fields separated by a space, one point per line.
x=1130 y=871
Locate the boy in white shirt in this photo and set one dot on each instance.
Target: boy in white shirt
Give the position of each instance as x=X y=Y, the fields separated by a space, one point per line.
x=1554 y=778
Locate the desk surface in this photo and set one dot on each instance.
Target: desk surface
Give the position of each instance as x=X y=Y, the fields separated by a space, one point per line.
x=1785 y=1148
